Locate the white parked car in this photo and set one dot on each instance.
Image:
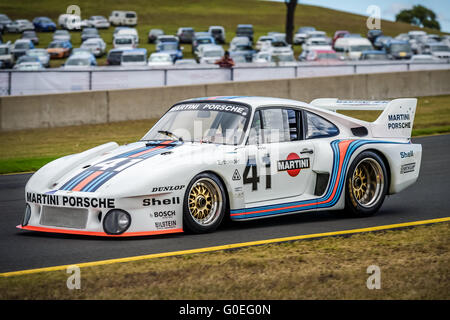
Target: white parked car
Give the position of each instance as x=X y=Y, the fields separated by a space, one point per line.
x=134 y=57
x=41 y=54
x=437 y=50
x=301 y=34
x=29 y=66
x=96 y=46
x=99 y=22
x=263 y=43
x=351 y=48
x=160 y=59
x=79 y=61
x=241 y=158
x=19 y=26
x=210 y=53
x=123 y=18
x=317 y=43
x=124 y=42
x=128 y=32
x=61 y=35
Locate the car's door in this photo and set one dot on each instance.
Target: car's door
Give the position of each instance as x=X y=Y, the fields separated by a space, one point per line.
x=279 y=160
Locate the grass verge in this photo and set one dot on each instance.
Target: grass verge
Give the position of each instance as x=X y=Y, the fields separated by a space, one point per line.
x=414 y=264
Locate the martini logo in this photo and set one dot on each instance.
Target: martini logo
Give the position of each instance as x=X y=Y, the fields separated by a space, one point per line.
x=293 y=164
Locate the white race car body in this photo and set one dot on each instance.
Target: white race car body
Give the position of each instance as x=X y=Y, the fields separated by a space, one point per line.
x=149 y=179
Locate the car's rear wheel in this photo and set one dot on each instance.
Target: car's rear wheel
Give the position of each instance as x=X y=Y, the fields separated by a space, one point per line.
x=366 y=184
x=204 y=204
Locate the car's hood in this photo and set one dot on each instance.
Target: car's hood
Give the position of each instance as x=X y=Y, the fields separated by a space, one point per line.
x=123 y=171
x=55 y=49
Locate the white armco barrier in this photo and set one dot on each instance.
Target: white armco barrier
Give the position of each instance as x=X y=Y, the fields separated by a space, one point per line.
x=14 y=82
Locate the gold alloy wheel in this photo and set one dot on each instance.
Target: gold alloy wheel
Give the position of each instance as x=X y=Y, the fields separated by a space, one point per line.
x=205 y=201
x=367 y=182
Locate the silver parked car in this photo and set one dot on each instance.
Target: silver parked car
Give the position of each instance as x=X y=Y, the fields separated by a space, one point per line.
x=41 y=54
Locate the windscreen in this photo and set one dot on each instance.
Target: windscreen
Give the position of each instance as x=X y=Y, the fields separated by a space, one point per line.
x=133 y=58
x=202 y=122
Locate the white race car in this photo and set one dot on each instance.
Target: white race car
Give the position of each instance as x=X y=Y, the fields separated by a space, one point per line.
x=241 y=157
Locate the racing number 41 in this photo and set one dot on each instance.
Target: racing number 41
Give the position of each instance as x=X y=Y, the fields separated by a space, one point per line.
x=251 y=173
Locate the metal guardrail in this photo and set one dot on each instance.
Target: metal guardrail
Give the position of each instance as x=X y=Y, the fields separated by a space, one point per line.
x=13 y=82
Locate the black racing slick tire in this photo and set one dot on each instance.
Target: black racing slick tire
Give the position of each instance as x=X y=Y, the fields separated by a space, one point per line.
x=204 y=204
x=366 y=185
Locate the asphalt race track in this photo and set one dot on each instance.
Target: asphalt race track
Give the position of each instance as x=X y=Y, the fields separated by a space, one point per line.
x=429 y=198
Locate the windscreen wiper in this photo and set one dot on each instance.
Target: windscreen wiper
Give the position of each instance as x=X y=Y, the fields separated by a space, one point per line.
x=170 y=134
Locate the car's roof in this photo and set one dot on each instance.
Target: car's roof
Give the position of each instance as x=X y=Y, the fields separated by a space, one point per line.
x=252 y=101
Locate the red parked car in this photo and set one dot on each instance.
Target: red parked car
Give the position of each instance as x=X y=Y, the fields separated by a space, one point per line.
x=339 y=34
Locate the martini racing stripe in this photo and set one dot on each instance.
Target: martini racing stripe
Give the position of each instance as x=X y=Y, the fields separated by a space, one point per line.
x=95 y=176
x=342 y=153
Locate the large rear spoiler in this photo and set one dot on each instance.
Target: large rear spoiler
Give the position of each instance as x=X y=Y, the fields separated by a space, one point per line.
x=396 y=120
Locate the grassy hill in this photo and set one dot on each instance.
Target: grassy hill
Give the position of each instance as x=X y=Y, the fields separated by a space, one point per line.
x=199 y=14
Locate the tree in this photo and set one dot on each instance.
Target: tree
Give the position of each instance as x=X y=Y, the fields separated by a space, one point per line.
x=419 y=16
x=291 y=5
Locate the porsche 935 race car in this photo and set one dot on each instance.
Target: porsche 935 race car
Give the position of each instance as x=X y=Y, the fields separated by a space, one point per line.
x=236 y=157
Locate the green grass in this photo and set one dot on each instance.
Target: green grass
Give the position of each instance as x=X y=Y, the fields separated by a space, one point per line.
x=28 y=150
x=414 y=264
x=171 y=14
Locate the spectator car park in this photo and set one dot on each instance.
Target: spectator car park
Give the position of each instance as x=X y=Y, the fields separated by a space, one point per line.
x=134 y=57
x=44 y=24
x=41 y=54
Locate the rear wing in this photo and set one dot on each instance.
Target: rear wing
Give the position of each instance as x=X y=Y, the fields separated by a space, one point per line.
x=396 y=120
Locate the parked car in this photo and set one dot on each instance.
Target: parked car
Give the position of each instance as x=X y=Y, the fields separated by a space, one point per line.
x=62 y=35
x=263 y=43
x=114 y=56
x=282 y=55
x=381 y=41
x=134 y=57
x=159 y=59
x=89 y=33
x=31 y=35
x=128 y=32
x=79 y=61
x=71 y=22
x=197 y=42
x=29 y=66
x=96 y=46
x=26 y=58
x=374 y=55
x=21 y=46
x=351 y=48
x=261 y=57
x=245 y=30
x=4 y=20
x=186 y=63
x=99 y=22
x=210 y=53
x=437 y=50
x=41 y=54
x=318 y=43
x=124 y=42
x=44 y=24
x=185 y=34
x=83 y=52
x=302 y=33
x=338 y=34
x=123 y=18
x=323 y=56
x=59 y=49
x=320 y=34
x=6 y=56
x=424 y=58
x=242 y=46
x=396 y=49
x=373 y=34
x=171 y=48
x=19 y=26
x=218 y=33
x=153 y=34
x=166 y=38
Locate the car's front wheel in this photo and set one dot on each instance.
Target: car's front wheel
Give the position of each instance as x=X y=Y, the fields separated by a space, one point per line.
x=366 y=184
x=204 y=204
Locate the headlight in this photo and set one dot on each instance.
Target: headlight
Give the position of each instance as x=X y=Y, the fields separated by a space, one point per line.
x=116 y=221
x=26 y=216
